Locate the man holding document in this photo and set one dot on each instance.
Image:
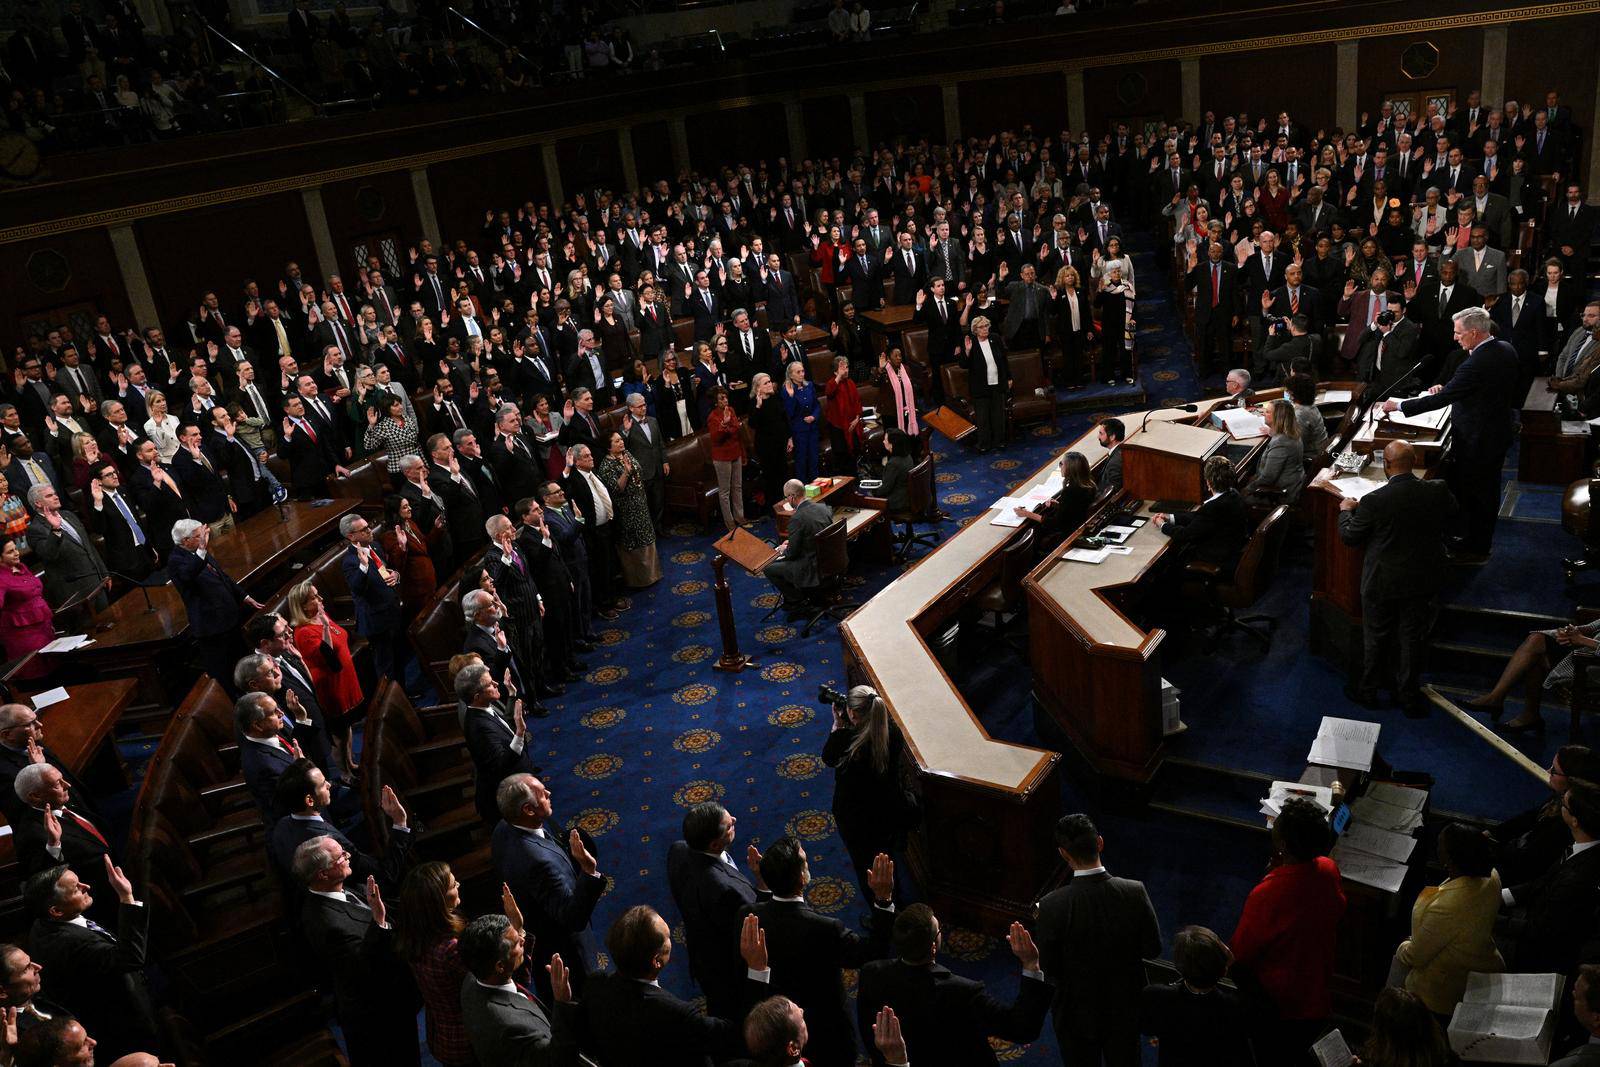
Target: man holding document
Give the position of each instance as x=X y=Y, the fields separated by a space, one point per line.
x=1402 y=524
x=1481 y=394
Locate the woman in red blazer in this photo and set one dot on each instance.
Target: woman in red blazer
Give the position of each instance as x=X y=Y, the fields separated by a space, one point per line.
x=1284 y=944
x=26 y=622
x=727 y=457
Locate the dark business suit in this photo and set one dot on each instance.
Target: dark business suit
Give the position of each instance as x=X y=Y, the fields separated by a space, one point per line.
x=1481 y=396
x=377 y=606
x=989 y=401
x=1094 y=934
x=202 y=486
x=514 y=1030
x=1563 y=912
x=946 y=1019
x=310 y=461
x=1213 y=533
x=1519 y=327
x=216 y=609
x=909 y=279
x=376 y=998
x=123 y=553
x=650 y=449
x=865 y=275
x=262 y=765
x=12 y=760
x=1401 y=353
x=711 y=896
x=556 y=899
x=1196 y=1029
x=626 y=1021
x=98 y=976
x=808 y=952
x=83 y=850
x=1403 y=525
x=291 y=831
x=234 y=460
x=488 y=733
x=73 y=569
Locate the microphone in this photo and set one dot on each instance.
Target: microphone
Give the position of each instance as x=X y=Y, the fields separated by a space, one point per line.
x=1190 y=408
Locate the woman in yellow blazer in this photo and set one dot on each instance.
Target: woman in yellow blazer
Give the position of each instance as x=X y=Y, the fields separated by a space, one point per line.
x=1452 y=924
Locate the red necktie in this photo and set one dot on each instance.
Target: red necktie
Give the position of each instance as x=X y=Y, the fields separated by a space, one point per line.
x=1294 y=302
x=86 y=826
x=306 y=424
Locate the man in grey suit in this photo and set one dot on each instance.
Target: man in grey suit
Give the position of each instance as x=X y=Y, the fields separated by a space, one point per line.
x=1094 y=934
x=1027 y=321
x=1403 y=525
x=642 y=434
x=1586 y=1006
x=1481 y=267
x=1494 y=211
x=795 y=568
x=508 y=1024
x=73 y=570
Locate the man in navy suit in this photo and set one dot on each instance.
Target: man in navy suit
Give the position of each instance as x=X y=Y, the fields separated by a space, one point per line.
x=375 y=588
x=303 y=798
x=1481 y=395
x=265 y=752
x=701 y=302
x=214 y=602
x=783 y=301
x=496 y=736
x=200 y=481
x=1517 y=321
x=553 y=878
x=711 y=892
x=567 y=532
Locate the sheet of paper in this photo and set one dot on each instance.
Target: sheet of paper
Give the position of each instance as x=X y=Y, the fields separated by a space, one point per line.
x=1379 y=842
x=1349 y=729
x=1427 y=420
x=1007 y=517
x=1356 y=486
x=1502 y=1020
x=48 y=697
x=1332 y=1051
x=1087 y=555
x=1242 y=422
x=1121 y=533
x=1319 y=794
x=1522 y=990
x=1368 y=869
x=68 y=643
x=1574 y=426
x=1332 y=752
x=1120 y=550
x=1401 y=796
x=1335 y=396
x=1385 y=816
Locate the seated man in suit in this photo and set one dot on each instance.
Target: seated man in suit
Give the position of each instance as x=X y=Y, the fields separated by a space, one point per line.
x=1586 y=1009
x=947 y=1020
x=505 y=1023
x=373 y=990
x=496 y=736
x=1195 y=1019
x=74 y=574
x=811 y=949
x=95 y=974
x=628 y=1018
x=1095 y=932
x=1562 y=905
x=302 y=798
x=554 y=879
x=375 y=589
x=214 y=602
x=121 y=524
x=795 y=568
x=711 y=892
x=265 y=751
x=1214 y=533
x=48 y=831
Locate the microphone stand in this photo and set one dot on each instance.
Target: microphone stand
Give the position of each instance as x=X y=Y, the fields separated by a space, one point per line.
x=1190 y=408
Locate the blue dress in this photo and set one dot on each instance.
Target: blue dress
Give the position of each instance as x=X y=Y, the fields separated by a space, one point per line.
x=801 y=403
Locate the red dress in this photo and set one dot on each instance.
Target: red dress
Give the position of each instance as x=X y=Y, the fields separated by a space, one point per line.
x=26 y=621
x=338 y=691
x=1275 y=207
x=1286 y=936
x=418 y=576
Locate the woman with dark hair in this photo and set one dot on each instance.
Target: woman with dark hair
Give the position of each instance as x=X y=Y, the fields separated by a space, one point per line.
x=26 y=622
x=1196 y=1020
x=1069 y=510
x=543 y=423
x=871 y=807
x=1283 y=946
x=1404 y=1034
x=410 y=552
x=617 y=348
x=427 y=926
x=727 y=457
x=1452 y=924
x=901 y=449
x=387 y=429
x=1529 y=844
x=675 y=404
x=1542 y=662
x=843 y=417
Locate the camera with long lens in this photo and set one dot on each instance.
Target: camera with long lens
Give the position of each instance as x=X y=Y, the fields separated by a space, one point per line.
x=831 y=697
x=1386 y=317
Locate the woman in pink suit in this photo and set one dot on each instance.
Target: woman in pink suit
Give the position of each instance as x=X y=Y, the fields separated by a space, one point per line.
x=26 y=621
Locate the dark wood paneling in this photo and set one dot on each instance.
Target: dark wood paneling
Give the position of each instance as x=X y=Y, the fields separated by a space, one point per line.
x=1555 y=54
x=1460 y=65
x=218 y=248
x=905 y=114
x=1254 y=82
x=827 y=123
x=381 y=204
x=1133 y=90
x=587 y=163
x=652 y=152
x=58 y=274
x=738 y=135
x=1036 y=99
x=464 y=188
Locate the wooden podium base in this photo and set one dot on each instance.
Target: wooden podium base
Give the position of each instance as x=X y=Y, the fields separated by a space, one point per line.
x=752 y=554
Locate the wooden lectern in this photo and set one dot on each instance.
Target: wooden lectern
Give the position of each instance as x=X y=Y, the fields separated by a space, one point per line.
x=949 y=423
x=1549 y=455
x=753 y=554
x=1163 y=461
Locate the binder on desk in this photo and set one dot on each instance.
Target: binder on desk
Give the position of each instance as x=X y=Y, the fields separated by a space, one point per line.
x=948 y=423
x=746 y=549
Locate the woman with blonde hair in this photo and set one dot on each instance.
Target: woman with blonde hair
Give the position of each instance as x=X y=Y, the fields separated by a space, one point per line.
x=1074 y=327
x=1282 y=469
x=161 y=427
x=325 y=646
x=871 y=806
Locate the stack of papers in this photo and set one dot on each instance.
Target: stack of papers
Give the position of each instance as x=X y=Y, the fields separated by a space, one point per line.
x=1401 y=796
x=1241 y=422
x=68 y=643
x=1335 y=396
x=1506 y=1018
x=1376 y=871
x=1087 y=555
x=1347 y=743
x=1272 y=804
x=1376 y=847
x=1332 y=1050
x=1427 y=420
x=1386 y=816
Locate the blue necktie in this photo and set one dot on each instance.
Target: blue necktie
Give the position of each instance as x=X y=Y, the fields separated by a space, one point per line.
x=127 y=515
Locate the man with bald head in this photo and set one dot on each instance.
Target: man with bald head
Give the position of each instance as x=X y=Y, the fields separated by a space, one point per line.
x=1402 y=524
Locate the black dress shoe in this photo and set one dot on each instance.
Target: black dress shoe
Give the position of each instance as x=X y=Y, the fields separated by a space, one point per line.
x=1365 y=698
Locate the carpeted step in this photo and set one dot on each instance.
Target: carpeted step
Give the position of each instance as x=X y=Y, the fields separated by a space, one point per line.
x=1216 y=794
x=1489 y=627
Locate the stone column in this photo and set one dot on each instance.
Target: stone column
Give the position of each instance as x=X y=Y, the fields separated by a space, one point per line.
x=1346 y=105
x=794 y=116
x=858 y=121
x=1077 y=114
x=1492 y=84
x=1189 y=80
x=321 y=236
x=680 y=143
x=427 y=217
x=552 y=173
x=952 y=113
x=630 y=169
x=141 y=298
